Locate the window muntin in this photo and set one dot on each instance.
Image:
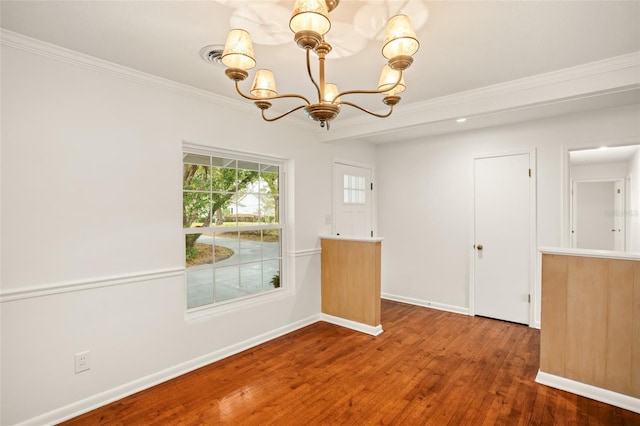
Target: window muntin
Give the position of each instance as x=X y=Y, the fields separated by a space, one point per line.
x=354 y=189
x=231 y=207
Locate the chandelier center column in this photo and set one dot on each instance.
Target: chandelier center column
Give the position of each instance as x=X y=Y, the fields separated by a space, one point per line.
x=322 y=50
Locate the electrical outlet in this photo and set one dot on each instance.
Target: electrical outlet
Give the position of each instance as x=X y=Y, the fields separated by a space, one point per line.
x=82 y=361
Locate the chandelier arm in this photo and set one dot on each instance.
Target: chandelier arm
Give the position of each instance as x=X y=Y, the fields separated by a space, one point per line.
x=311 y=75
x=366 y=92
x=358 y=92
x=265 y=118
x=367 y=111
x=254 y=98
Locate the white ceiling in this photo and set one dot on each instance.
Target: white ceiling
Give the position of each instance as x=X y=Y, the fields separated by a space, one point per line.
x=464 y=44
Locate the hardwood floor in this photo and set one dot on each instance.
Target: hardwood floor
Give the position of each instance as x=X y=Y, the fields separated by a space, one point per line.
x=428 y=368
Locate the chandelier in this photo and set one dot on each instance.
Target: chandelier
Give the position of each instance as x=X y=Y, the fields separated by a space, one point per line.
x=310 y=22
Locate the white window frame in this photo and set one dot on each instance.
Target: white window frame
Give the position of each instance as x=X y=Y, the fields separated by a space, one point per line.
x=240 y=302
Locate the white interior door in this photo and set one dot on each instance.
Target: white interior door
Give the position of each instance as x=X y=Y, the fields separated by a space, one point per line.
x=352 y=204
x=502 y=237
x=598 y=215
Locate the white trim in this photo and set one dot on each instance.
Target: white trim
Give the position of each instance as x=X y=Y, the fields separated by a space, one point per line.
x=603 y=254
x=565 y=170
x=352 y=163
x=235 y=228
x=307 y=252
x=514 y=87
x=70 y=57
x=206 y=312
x=80 y=407
x=604 y=66
x=603 y=395
x=427 y=304
x=81 y=60
x=213 y=151
x=497 y=98
x=284 y=226
x=535 y=282
x=88 y=284
x=610 y=75
x=350 y=238
x=111 y=395
x=353 y=325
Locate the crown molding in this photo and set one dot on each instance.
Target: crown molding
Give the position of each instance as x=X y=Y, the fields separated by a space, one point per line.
x=71 y=57
x=498 y=98
x=604 y=66
x=609 y=75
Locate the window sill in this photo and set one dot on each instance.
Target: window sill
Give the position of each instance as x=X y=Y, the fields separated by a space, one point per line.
x=208 y=312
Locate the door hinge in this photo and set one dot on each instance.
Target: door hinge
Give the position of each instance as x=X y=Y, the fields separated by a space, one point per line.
x=529 y=298
x=529 y=172
x=372 y=186
x=371 y=234
x=618 y=190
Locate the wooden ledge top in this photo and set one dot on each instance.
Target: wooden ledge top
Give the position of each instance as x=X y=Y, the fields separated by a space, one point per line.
x=348 y=238
x=604 y=254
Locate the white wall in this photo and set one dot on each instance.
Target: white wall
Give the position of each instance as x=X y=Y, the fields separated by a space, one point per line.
x=91 y=199
x=634 y=204
x=428 y=243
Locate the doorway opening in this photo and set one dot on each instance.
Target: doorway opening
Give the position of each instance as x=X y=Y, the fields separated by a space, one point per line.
x=601 y=198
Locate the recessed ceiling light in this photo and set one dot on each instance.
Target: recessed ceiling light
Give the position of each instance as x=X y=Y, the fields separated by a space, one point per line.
x=461 y=120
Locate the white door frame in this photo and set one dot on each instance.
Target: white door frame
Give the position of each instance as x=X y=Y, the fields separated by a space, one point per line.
x=565 y=188
x=534 y=281
x=374 y=209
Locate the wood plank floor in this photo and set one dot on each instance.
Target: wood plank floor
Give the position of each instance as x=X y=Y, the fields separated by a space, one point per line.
x=428 y=368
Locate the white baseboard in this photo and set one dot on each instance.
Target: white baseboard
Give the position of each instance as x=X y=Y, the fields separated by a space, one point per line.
x=83 y=406
x=353 y=325
x=80 y=407
x=603 y=395
x=426 y=304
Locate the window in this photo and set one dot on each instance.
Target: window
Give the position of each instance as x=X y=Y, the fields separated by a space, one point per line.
x=232 y=227
x=354 y=192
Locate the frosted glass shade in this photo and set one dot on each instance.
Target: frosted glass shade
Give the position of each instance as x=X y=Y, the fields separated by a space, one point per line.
x=310 y=15
x=388 y=78
x=264 y=85
x=330 y=92
x=238 y=51
x=400 y=39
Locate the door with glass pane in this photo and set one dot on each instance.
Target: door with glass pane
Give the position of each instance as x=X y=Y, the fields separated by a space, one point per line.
x=352 y=192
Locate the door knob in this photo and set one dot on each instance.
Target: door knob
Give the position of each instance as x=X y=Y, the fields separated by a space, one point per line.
x=479 y=246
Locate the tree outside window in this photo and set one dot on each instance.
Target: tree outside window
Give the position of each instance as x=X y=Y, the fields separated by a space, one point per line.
x=231 y=221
